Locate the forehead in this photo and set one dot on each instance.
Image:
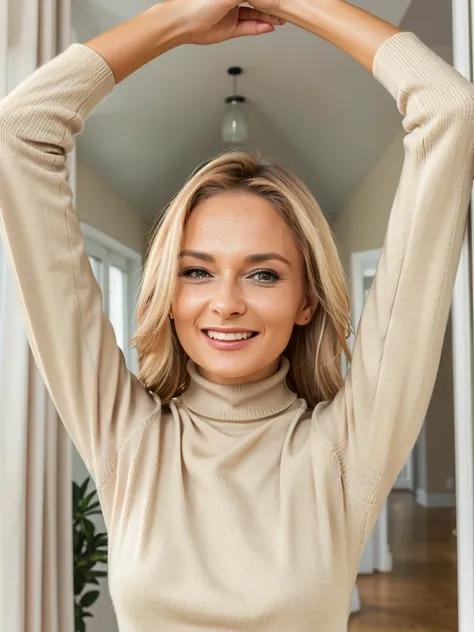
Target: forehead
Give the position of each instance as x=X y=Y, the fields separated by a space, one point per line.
x=237 y=221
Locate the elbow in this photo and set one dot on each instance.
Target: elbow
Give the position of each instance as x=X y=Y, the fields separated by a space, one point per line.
x=454 y=122
x=461 y=108
x=8 y=133
x=18 y=118
x=21 y=132
x=10 y=122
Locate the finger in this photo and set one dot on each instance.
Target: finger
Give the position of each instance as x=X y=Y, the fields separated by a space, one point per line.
x=246 y=13
x=252 y=27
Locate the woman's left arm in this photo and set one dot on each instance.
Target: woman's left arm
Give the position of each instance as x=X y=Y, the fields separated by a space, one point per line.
x=374 y=421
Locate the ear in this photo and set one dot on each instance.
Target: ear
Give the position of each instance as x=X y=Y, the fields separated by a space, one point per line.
x=305 y=314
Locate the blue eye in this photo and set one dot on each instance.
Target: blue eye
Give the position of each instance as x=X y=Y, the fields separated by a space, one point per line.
x=194 y=273
x=266 y=276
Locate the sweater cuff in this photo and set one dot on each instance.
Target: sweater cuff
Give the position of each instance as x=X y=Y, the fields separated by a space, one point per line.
x=62 y=91
x=405 y=64
x=89 y=72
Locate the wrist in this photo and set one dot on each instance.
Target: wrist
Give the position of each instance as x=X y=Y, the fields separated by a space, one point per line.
x=353 y=30
x=316 y=16
x=169 y=20
x=132 y=44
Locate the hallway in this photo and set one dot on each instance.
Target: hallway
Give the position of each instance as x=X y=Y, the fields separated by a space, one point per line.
x=421 y=593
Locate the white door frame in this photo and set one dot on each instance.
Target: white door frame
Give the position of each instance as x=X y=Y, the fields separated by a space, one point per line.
x=463 y=40
x=406 y=479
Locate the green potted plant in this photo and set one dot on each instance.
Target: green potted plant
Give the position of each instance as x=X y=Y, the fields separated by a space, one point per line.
x=90 y=550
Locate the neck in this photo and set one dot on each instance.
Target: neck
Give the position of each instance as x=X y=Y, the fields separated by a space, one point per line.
x=257 y=376
x=238 y=402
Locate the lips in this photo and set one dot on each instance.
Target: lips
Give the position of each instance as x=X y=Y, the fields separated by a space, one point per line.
x=228 y=336
x=226 y=340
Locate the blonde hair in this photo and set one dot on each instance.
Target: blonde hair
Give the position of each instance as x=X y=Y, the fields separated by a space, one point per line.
x=314 y=350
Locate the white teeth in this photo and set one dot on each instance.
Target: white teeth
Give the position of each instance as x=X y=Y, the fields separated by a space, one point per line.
x=217 y=335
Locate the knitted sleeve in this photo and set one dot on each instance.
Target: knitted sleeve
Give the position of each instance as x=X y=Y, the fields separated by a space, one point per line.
x=72 y=341
x=375 y=419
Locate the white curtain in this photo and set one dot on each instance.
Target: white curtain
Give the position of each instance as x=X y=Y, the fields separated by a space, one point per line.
x=36 y=571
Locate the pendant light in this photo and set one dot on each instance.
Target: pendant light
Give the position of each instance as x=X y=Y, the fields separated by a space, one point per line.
x=234 y=125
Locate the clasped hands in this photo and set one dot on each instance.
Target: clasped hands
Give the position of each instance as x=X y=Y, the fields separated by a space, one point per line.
x=214 y=21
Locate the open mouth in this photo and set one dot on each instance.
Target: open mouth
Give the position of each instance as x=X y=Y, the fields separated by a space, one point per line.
x=230 y=337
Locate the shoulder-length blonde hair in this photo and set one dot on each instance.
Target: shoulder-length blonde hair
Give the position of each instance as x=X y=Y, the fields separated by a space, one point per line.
x=314 y=350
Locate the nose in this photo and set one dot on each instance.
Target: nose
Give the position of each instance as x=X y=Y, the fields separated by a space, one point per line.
x=228 y=299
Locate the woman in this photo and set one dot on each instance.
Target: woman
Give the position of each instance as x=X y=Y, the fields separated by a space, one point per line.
x=239 y=487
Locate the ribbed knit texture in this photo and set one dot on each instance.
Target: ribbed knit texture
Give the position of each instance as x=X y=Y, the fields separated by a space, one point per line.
x=236 y=508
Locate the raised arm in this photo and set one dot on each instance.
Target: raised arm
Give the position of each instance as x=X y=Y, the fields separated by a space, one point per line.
x=99 y=401
x=374 y=421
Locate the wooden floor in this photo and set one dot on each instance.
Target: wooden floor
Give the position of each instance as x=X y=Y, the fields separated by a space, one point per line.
x=420 y=595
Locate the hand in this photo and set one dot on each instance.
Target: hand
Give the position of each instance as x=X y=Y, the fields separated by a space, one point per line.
x=340 y=22
x=268 y=6
x=287 y=9
x=214 y=21
x=132 y=44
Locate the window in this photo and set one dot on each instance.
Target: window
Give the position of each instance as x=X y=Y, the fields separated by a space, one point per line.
x=117 y=270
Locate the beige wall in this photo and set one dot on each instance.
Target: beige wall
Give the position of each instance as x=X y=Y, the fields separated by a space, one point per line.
x=361 y=226
x=98 y=205
x=363 y=222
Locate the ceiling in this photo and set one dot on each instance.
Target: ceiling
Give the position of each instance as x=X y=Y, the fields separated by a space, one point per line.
x=309 y=106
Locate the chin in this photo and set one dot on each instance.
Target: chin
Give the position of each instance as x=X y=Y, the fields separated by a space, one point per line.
x=230 y=367
x=237 y=370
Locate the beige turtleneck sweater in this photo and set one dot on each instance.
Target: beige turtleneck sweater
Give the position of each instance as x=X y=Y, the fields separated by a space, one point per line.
x=236 y=508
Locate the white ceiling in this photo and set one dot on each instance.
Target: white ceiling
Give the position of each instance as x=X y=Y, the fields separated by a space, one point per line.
x=310 y=106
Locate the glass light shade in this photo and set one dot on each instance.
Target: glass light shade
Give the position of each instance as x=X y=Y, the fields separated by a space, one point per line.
x=234 y=125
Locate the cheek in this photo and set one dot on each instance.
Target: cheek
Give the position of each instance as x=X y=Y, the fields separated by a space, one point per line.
x=285 y=298
x=187 y=302
x=275 y=307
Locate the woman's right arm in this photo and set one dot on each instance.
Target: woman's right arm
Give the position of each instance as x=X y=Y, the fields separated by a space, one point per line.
x=73 y=343
x=98 y=400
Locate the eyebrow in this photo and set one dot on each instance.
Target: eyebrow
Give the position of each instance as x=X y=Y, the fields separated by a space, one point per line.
x=256 y=258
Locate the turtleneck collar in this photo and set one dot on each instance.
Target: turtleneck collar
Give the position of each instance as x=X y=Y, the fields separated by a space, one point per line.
x=238 y=402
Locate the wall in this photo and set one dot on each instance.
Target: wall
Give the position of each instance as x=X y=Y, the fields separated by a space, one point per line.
x=98 y=205
x=361 y=226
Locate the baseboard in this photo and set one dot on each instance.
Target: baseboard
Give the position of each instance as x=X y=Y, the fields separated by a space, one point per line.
x=384 y=564
x=355 y=601
x=447 y=500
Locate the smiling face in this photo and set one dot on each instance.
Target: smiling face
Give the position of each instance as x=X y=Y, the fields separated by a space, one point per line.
x=240 y=289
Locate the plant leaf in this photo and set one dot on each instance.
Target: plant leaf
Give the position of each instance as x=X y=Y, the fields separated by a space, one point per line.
x=92 y=513
x=92 y=506
x=86 y=500
x=89 y=598
x=85 y=485
x=89 y=550
x=89 y=528
x=98 y=574
x=76 y=496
